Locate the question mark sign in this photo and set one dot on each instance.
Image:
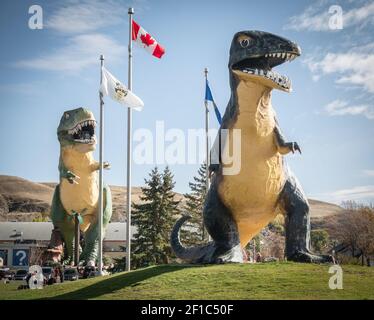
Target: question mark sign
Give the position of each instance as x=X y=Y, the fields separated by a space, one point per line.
x=23 y=254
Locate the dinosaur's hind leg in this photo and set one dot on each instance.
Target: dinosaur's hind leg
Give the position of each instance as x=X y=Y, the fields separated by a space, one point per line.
x=296 y=206
x=91 y=236
x=222 y=228
x=66 y=226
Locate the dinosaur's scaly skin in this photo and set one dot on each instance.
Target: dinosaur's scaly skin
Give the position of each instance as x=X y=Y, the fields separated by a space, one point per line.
x=78 y=190
x=240 y=205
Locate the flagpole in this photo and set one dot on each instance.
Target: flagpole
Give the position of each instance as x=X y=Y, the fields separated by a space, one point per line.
x=207 y=142
x=101 y=151
x=129 y=151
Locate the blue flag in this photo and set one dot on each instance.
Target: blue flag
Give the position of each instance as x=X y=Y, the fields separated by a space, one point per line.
x=209 y=97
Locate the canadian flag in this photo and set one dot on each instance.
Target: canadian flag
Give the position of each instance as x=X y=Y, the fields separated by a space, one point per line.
x=145 y=40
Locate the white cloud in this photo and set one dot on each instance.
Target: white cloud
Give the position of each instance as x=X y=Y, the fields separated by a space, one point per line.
x=81 y=20
x=87 y=16
x=369 y=173
x=316 y=17
x=341 y=108
x=362 y=15
x=354 y=68
x=310 y=19
x=358 y=193
x=81 y=51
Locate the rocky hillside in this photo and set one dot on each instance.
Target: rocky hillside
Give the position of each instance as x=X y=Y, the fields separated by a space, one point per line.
x=23 y=200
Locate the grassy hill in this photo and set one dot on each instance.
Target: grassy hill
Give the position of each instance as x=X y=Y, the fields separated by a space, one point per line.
x=23 y=200
x=224 y=282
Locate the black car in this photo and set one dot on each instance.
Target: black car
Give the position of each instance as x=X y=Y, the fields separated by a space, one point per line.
x=5 y=273
x=89 y=272
x=21 y=274
x=47 y=273
x=71 y=274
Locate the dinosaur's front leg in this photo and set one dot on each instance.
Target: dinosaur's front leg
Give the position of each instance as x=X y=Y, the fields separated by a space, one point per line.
x=70 y=176
x=283 y=146
x=96 y=166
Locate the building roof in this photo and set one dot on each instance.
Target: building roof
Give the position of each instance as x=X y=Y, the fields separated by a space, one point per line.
x=41 y=231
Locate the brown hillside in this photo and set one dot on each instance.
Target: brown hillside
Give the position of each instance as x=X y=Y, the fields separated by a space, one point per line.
x=23 y=200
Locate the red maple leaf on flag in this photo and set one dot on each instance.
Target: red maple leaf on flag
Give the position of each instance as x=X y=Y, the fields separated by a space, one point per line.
x=147 y=39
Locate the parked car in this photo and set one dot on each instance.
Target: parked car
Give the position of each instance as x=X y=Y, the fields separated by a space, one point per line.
x=47 y=273
x=5 y=273
x=21 y=274
x=71 y=274
x=89 y=272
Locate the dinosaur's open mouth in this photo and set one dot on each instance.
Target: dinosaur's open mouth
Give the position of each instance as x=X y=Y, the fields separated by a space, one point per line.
x=261 y=66
x=84 y=132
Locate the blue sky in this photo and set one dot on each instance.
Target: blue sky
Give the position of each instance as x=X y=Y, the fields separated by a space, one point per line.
x=330 y=112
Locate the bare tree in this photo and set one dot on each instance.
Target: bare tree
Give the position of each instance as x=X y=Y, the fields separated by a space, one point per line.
x=36 y=254
x=355 y=229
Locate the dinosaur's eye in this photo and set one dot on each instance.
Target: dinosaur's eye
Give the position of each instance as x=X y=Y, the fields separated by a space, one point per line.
x=244 y=41
x=67 y=116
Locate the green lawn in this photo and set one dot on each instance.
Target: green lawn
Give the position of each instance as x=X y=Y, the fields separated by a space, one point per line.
x=244 y=281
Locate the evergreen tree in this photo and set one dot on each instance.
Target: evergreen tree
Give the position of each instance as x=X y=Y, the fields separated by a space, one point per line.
x=194 y=207
x=154 y=219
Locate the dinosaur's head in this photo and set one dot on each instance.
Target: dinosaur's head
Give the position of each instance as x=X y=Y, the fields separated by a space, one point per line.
x=253 y=55
x=77 y=129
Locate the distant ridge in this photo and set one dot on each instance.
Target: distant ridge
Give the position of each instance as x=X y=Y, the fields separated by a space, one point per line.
x=24 y=200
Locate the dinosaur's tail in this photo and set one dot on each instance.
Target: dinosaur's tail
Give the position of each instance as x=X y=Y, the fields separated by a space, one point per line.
x=198 y=254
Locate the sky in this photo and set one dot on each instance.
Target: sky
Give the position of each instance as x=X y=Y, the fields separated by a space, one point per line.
x=330 y=112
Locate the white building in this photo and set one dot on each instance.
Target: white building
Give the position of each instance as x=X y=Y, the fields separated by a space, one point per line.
x=19 y=241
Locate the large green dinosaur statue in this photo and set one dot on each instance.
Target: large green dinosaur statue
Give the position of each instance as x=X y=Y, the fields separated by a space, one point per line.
x=78 y=190
x=238 y=206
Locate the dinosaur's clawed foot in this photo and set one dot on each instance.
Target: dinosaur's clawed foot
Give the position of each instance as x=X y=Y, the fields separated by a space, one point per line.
x=307 y=257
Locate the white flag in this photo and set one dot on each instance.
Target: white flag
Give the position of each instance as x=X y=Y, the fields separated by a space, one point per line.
x=111 y=86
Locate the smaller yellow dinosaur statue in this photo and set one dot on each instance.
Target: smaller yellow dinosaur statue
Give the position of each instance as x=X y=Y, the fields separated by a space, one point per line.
x=78 y=190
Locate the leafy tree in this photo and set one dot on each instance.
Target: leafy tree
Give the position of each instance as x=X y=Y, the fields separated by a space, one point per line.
x=194 y=207
x=319 y=239
x=154 y=219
